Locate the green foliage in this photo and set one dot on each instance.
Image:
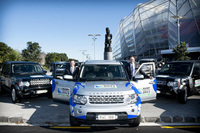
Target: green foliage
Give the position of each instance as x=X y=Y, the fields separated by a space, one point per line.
x=52 y=57
x=32 y=52
x=181 y=52
x=73 y=59
x=8 y=54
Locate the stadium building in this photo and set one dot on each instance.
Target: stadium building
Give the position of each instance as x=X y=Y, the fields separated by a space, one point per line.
x=151 y=31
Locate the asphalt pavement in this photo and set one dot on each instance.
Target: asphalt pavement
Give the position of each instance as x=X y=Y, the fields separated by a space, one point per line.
x=141 y=129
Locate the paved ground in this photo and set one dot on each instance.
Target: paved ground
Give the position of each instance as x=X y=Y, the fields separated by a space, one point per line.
x=43 y=110
x=141 y=129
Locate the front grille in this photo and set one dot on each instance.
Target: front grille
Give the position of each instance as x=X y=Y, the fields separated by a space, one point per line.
x=40 y=82
x=161 y=81
x=106 y=99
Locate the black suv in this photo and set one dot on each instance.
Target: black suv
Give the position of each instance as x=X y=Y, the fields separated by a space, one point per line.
x=23 y=78
x=180 y=78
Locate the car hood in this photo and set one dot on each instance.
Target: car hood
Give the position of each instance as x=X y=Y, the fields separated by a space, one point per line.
x=27 y=77
x=169 y=77
x=103 y=88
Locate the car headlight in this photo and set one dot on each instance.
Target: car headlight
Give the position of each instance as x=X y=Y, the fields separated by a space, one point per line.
x=50 y=82
x=173 y=84
x=24 y=83
x=132 y=98
x=78 y=99
x=183 y=81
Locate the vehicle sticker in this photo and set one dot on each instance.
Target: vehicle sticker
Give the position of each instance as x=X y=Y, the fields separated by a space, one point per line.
x=36 y=76
x=197 y=83
x=145 y=91
x=105 y=86
x=63 y=91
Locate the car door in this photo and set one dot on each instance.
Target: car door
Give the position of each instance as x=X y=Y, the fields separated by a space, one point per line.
x=62 y=89
x=5 y=74
x=196 y=77
x=146 y=86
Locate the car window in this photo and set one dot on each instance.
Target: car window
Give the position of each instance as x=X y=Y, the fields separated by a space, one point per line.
x=6 y=69
x=146 y=70
x=176 y=68
x=103 y=72
x=196 y=70
x=22 y=69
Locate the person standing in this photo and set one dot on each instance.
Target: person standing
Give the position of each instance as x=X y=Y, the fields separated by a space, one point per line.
x=131 y=67
x=72 y=70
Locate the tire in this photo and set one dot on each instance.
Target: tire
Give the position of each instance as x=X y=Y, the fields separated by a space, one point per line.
x=49 y=94
x=1 y=91
x=182 y=96
x=74 y=122
x=15 y=98
x=136 y=122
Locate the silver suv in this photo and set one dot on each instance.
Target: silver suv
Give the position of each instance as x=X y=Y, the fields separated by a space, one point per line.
x=102 y=93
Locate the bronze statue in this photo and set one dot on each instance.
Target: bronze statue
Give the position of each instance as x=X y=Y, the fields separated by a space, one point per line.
x=108 y=38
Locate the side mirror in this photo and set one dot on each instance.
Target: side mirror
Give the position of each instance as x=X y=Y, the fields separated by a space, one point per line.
x=68 y=77
x=45 y=71
x=137 y=77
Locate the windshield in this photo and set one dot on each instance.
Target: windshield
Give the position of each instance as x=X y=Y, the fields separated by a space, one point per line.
x=103 y=73
x=22 y=69
x=176 y=68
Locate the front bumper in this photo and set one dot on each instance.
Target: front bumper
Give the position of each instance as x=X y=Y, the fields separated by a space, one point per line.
x=26 y=91
x=91 y=118
x=88 y=113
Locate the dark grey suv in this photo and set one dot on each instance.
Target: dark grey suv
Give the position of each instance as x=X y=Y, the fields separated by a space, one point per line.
x=179 y=78
x=23 y=78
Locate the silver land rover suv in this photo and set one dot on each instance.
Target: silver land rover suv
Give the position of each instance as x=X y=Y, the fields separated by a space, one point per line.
x=102 y=94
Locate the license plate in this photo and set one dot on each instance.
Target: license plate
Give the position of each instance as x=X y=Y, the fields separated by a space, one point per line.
x=41 y=91
x=146 y=90
x=107 y=117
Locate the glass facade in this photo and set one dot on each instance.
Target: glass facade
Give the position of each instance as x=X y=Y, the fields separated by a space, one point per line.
x=150 y=28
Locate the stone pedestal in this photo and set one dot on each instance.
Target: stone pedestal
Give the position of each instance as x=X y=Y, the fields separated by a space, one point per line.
x=108 y=56
x=108 y=53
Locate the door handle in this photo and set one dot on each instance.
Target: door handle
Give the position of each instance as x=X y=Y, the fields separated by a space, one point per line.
x=151 y=82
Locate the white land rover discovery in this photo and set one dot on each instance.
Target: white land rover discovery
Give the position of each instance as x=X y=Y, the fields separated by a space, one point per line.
x=102 y=93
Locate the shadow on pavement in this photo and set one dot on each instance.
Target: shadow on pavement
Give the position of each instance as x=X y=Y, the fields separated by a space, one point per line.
x=36 y=110
x=172 y=107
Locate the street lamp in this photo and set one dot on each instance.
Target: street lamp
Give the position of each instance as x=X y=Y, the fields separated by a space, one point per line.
x=87 y=56
x=178 y=21
x=94 y=39
x=83 y=52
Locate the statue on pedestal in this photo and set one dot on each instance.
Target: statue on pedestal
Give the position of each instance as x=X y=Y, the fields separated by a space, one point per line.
x=108 y=49
x=108 y=41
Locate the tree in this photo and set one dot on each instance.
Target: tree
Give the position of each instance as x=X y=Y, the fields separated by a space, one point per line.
x=63 y=57
x=52 y=57
x=32 y=52
x=181 y=52
x=8 y=54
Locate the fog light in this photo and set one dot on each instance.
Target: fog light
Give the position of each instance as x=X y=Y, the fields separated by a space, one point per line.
x=132 y=110
x=79 y=111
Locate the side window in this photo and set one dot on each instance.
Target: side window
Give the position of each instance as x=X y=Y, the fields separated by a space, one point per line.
x=8 y=69
x=4 y=68
x=146 y=70
x=196 y=70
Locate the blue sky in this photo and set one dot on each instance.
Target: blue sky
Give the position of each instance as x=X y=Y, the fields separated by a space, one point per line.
x=61 y=25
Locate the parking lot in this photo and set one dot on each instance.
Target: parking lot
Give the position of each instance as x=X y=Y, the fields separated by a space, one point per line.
x=41 y=110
